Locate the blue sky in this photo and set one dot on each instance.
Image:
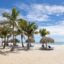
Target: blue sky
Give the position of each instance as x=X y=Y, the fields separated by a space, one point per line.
x=47 y=14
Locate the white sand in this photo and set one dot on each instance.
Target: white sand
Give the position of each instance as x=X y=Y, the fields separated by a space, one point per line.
x=34 y=56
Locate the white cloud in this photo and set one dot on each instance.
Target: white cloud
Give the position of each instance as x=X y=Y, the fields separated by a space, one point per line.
x=56 y=29
x=2 y=10
x=36 y=17
x=23 y=6
x=2 y=18
x=41 y=12
x=48 y=9
x=32 y=13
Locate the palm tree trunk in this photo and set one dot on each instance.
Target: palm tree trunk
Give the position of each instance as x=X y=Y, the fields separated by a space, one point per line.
x=7 y=42
x=4 y=43
x=22 y=40
x=12 y=49
x=28 y=45
x=46 y=45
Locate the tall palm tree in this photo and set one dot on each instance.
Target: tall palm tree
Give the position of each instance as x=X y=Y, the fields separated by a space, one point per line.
x=12 y=17
x=22 y=25
x=29 y=31
x=43 y=33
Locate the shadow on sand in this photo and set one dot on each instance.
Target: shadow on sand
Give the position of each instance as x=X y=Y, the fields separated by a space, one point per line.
x=7 y=51
x=46 y=49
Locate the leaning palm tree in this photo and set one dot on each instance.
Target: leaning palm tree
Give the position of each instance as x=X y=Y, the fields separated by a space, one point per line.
x=29 y=31
x=12 y=17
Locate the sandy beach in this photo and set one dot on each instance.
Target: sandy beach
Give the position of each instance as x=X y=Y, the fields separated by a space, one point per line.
x=34 y=56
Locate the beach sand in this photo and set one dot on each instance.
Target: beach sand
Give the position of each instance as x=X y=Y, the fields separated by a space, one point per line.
x=34 y=56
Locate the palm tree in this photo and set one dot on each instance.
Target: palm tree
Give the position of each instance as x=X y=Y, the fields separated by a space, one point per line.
x=5 y=24
x=29 y=31
x=12 y=17
x=8 y=36
x=43 y=33
x=22 y=26
x=31 y=40
x=16 y=33
x=4 y=33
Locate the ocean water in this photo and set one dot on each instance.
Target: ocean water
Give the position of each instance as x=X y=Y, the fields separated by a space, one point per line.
x=55 y=43
x=59 y=43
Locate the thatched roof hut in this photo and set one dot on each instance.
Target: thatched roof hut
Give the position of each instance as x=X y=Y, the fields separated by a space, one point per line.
x=47 y=40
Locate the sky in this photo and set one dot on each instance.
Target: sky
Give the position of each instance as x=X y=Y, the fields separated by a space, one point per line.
x=47 y=14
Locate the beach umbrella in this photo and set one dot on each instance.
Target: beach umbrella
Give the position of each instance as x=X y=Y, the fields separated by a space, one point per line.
x=46 y=40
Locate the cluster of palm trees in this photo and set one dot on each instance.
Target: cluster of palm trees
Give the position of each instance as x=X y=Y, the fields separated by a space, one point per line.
x=14 y=26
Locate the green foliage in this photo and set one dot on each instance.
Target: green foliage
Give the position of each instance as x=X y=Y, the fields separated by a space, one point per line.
x=22 y=24
x=44 y=32
x=12 y=17
x=5 y=31
x=30 y=29
x=14 y=14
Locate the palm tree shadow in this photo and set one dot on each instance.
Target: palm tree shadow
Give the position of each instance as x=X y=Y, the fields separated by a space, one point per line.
x=46 y=49
x=16 y=51
x=22 y=48
x=2 y=53
x=18 y=48
x=8 y=52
